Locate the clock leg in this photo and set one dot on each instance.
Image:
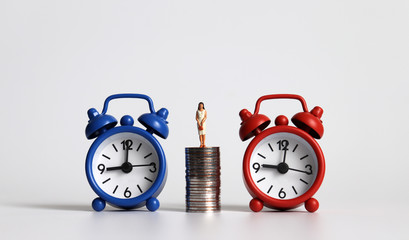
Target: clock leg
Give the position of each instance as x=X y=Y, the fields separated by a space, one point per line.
x=311 y=205
x=98 y=204
x=152 y=204
x=256 y=205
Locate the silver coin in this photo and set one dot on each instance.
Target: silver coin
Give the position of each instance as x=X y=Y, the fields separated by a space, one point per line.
x=203 y=207
x=203 y=188
x=213 y=194
x=191 y=174
x=202 y=204
x=202 y=149
x=204 y=197
x=203 y=211
x=208 y=156
x=213 y=183
x=203 y=167
x=201 y=200
x=201 y=164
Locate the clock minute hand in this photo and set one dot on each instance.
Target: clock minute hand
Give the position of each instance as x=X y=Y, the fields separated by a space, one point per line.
x=297 y=170
x=142 y=165
x=285 y=153
x=127 y=154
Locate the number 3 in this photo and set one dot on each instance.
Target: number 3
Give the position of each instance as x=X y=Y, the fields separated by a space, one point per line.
x=153 y=169
x=309 y=168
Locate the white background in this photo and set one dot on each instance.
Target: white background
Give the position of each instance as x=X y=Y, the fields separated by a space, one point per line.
x=59 y=58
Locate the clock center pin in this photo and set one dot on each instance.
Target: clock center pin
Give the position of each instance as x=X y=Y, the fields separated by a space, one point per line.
x=126 y=167
x=282 y=168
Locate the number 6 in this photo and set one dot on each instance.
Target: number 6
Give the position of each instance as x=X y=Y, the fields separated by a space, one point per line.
x=281 y=193
x=127 y=193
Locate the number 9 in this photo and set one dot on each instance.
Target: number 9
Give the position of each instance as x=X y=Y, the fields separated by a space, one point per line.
x=256 y=166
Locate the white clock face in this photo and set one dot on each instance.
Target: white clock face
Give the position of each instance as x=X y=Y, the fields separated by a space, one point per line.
x=125 y=165
x=283 y=165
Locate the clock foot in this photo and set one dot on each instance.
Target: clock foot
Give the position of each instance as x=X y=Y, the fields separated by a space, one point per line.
x=311 y=205
x=98 y=204
x=152 y=204
x=256 y=205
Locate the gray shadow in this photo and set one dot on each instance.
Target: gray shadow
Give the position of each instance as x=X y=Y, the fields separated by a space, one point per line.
x=173 y=208
x=61 y=207
x=166 y=207
x=235 y=208
x=88 y=207
x=246 y=208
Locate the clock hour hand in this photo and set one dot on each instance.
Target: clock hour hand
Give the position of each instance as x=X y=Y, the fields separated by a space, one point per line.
x=269 y=166
x=114 y=168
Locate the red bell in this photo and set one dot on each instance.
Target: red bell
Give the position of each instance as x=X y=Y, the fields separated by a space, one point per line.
x=252 y=125
x=310 y=122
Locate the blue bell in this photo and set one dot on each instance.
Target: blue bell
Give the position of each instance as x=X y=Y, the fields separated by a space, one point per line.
x=156 y=122
x=98 y=124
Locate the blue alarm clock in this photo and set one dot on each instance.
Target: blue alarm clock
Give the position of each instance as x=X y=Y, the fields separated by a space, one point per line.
x=126 y=165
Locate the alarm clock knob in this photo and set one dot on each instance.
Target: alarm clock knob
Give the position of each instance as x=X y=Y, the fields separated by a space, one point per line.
x=252 y=125
x=98 y=123
x=281 y=120
x=156 y=122
x=127 y=121
x=310 y=122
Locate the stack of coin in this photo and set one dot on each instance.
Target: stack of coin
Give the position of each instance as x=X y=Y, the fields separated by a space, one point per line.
x=202 y=179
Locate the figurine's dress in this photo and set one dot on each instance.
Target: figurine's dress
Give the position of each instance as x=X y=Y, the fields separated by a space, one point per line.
x=201 y=115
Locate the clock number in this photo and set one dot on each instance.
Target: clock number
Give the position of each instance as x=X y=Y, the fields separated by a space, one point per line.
x=127 y=193
x=256 y=166
x=153 y=169
x=309 y=168
x=282 y=194
x=101 y=168
x=283 y=145
x=127 y=144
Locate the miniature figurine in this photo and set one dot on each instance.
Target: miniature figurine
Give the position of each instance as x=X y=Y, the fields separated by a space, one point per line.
x=201 y=116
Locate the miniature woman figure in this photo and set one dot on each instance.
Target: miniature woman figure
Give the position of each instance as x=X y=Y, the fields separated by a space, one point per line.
x=201 y=116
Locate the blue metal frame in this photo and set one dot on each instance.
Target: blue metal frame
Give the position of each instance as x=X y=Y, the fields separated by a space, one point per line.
x=160 y=181
x=127 y=95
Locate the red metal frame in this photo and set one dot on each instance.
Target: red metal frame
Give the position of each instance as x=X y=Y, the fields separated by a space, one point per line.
x=277 y=203
x=281 y=96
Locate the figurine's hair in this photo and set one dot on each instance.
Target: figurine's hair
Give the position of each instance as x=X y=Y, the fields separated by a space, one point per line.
x=198 y=105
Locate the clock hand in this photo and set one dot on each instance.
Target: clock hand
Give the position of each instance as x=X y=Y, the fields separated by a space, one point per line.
x=121 y=167
x=269 y=166
x=297 y=170
x=285 y=153
x=126 y=154
x=281 y=167
x=114 y=168
x=144 y=165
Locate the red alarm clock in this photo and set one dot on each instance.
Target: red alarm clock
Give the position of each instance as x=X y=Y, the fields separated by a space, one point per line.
x=283 y=166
